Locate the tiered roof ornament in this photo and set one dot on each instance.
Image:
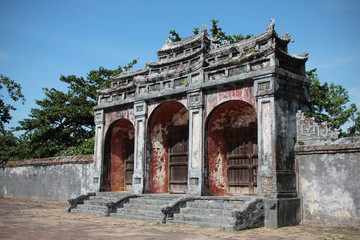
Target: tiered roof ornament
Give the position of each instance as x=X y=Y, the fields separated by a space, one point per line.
x=201 y=60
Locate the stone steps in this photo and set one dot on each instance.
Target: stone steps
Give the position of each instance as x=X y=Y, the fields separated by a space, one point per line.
x=144 y=207
x=208 y=213
x=91 y=207
x=96 y=205
x=202 y=224
x=222 y=218
x=92 y=212
x=147 y=207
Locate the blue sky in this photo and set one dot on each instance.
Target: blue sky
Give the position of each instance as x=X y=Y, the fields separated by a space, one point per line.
x=43 y=39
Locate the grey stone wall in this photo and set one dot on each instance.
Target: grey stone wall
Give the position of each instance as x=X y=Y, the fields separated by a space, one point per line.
x=54 y=179
x=328 y=175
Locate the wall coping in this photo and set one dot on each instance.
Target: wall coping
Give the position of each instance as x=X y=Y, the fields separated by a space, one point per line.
x=315 y=138
x=79 y=159
x=308 y=128
x=341 y=145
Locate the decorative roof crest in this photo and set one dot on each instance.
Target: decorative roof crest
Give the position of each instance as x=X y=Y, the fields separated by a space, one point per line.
x=168 y=40
x=272 y=25
x=305 y=54
x=204 y=27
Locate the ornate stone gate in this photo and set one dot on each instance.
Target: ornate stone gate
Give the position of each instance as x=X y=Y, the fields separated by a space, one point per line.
x=211 y=118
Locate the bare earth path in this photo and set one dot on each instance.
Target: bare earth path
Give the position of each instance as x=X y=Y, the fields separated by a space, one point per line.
x=21 y=219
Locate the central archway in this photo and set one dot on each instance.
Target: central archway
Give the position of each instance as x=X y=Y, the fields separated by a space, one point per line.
x=169 y=127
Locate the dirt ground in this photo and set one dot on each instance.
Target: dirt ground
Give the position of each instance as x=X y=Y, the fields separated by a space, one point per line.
x=21 y=219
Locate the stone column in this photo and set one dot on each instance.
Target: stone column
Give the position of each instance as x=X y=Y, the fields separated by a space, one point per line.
x=279 y=98
x=195 y=163
x=139 y=148
x=98 y=149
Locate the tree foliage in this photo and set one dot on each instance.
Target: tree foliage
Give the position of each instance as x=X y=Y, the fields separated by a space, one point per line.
x=8 y=142
x=216 y=32
x=14 y=92
x=8 y=146
x=63 y=122
x=330 y=104
x=174 y=36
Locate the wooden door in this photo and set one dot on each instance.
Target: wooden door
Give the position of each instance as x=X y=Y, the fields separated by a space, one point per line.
x=178 y=159
x=242 y=160
x=106 y=169
x=129 y=163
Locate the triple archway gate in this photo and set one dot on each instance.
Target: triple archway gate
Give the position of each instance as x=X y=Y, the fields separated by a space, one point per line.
x=230 y=151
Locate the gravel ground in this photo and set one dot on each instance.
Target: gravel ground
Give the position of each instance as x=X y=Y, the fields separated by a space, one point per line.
x=20 y=219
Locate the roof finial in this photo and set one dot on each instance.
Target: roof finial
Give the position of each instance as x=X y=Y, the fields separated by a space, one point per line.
x=204 y=27
x=168 y=40
x=272 y=24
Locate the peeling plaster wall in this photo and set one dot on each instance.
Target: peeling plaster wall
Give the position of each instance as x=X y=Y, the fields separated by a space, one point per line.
x=122 y=129
x=236 y=114
x=111 y=117
x=46 y=180
x=152 y=105
x=216 y=97
x=176 y=113
x=329 y=180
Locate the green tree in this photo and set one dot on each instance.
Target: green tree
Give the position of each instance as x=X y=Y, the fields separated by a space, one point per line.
x=8 y=147
x=216 y=32
x=174 y=36
x=196 y=31
x=8 y=141
x=330 y=104
x=63 y=123
x=354 y=129
x=15 y=94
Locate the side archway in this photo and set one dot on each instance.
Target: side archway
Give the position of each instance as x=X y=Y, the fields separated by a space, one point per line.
x=231 y=149
x=168 y=135
x=118 y=162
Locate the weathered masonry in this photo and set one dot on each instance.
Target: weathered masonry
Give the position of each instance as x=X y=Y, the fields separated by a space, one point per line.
x=206 y=119
x=328 y=175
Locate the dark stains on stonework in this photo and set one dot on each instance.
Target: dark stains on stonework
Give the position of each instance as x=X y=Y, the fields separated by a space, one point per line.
x=209 y=119
x=208 y=135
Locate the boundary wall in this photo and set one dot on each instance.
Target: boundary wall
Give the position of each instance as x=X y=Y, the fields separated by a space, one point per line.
x=328 y=170
x=48 y=179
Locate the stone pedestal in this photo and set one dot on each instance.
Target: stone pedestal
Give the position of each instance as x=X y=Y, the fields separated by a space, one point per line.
x=282 y=212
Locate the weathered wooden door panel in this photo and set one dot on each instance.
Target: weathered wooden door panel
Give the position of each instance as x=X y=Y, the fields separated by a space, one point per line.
x=241 y=146
x=178 y=159
x=106 y=173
